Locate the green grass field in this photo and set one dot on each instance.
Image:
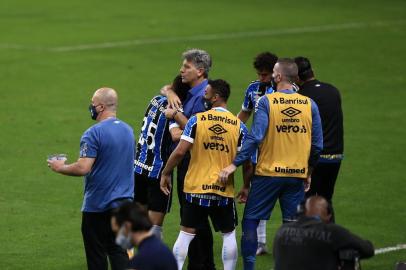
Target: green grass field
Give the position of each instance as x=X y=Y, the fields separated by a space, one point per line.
x=54 y=54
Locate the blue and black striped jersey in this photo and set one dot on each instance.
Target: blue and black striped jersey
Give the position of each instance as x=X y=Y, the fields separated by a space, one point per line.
x=254 y=91
x=153 y=147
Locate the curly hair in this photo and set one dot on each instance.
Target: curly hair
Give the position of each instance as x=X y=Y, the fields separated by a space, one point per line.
x=265 y=61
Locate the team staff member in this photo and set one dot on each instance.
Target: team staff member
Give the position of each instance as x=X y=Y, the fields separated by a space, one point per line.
x=287 y=130
x=213 y=138
x=263 y=64
x=328 y=100
x=134 y=229
x=313 y=243
x=152 y=152
x=194 y=72
x=106 y=161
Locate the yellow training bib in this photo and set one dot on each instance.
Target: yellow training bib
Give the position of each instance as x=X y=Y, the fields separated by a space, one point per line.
x=285 y=149
x=214 y=147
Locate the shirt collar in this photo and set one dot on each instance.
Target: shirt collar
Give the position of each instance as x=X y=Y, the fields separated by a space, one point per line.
x=198 y=88
x=287 y=91
x=311 y=82
x=221 y=109
x=269 y=90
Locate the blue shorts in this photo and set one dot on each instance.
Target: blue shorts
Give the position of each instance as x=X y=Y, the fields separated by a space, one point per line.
x=264 y=192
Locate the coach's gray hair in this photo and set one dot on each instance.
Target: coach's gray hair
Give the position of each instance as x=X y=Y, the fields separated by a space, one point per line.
x=200 y=58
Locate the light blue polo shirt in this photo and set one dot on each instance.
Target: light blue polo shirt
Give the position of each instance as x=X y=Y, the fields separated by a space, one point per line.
x=111 y=178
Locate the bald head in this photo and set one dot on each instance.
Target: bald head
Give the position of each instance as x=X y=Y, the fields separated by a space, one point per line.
x=107 y=97
x=317 y=206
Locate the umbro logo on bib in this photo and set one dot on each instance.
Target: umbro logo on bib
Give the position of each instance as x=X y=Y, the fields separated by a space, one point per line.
x=217 y=129
x=291 y=112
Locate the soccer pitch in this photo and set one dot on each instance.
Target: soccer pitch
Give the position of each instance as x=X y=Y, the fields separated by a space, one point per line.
x=54 y=54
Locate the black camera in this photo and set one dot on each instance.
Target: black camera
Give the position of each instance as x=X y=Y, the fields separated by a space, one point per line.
x=349 y=259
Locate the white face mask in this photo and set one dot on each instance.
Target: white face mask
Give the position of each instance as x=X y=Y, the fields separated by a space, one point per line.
x=122 y=240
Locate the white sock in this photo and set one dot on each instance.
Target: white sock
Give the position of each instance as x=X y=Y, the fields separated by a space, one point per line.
x=261 y=231
x=230 y=251
x=181 y=247
x=157 y=231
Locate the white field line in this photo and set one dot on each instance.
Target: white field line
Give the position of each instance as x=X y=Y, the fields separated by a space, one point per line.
x=208 y=37
x=390 y=249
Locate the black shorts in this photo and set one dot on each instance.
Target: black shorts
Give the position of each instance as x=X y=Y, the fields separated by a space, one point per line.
x=148 y=192
x=223 y=218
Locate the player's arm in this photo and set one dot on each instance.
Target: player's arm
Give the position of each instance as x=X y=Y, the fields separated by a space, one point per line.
x=173 y=99
x=257 y=134
x=177 y=155
x=246 y=108
x=176 y=133
x=247 y=173
x=197 y=107
x=177 y=116
x=244 y=115
x=174 y=159
x=79 y=168
x=88 y=153
x=181 y=119
x=248 y=168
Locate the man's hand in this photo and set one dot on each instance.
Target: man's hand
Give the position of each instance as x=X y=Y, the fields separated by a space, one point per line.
x=225 y=173
x=307 y=183
x=79 y=168
x=243 y=194
x=164 y=90
x=56 y=164
x=169 y=113
x=165 y=184
x=173 y=100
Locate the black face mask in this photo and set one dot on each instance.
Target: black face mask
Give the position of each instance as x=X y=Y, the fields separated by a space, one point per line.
x=207 y=104
x=274 y=83
x=93 y=112
x=263 y=86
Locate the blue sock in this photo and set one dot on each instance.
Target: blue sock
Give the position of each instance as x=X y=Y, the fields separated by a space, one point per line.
x=249 y=242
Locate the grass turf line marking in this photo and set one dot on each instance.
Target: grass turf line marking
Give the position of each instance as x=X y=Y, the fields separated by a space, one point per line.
x=390 y=249
x=207 y=37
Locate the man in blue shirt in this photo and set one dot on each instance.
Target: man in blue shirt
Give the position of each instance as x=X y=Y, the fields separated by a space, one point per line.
x=288 y=133
x=263 y=64
x=106 y=161
x=194 y=71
